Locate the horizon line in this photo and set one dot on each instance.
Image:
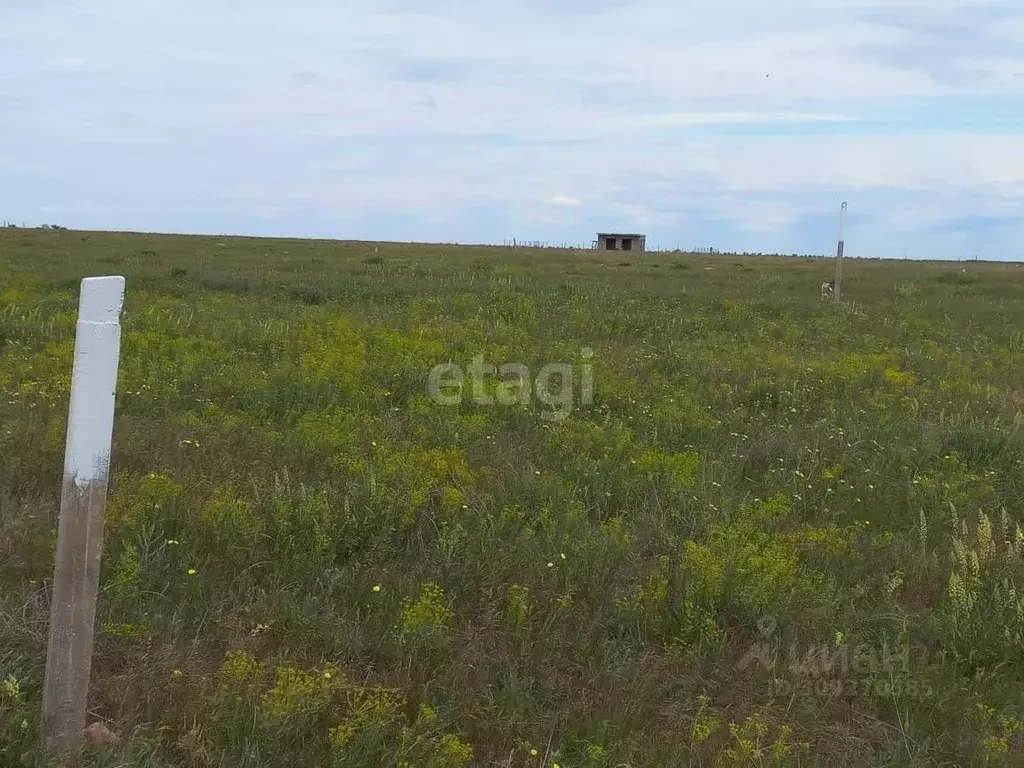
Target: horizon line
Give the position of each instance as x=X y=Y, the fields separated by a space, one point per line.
x=479 y=244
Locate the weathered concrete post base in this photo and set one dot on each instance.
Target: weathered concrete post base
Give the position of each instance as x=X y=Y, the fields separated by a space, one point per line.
x=72 y=615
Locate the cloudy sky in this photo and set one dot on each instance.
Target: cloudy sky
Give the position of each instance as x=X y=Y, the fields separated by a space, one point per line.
x=739 y=124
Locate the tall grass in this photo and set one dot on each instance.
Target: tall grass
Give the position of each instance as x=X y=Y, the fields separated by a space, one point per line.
x=783 y=532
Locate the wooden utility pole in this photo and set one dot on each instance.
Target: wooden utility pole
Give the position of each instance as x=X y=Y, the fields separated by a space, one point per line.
x=76 y=571
x=839 y=253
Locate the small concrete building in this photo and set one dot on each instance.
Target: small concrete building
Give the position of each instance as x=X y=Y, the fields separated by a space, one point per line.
x=617 y=241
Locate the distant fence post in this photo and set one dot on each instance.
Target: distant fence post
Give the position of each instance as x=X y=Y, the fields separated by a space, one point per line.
x=839 y=252
x=83 y=499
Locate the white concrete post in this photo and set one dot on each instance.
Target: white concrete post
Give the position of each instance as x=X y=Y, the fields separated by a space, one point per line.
x=83 y=498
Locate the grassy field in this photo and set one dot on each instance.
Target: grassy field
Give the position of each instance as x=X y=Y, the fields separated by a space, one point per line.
x=781 y=532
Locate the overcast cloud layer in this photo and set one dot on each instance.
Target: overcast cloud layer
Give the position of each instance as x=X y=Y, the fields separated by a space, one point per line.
x=735 y=123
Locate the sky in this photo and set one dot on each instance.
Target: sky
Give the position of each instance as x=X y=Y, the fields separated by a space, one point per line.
x=735 y=124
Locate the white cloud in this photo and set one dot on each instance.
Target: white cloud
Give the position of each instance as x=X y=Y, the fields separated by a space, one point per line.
x=764 y=216
x=741 y=119
x=565 y=201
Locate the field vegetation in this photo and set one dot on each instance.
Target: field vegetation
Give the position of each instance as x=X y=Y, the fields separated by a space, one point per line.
x=782 y=532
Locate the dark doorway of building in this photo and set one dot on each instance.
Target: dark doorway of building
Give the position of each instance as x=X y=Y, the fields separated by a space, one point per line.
x=627 y=244
x=609 y=243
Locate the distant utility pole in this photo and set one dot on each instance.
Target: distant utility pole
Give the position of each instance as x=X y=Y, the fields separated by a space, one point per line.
x=839 y=252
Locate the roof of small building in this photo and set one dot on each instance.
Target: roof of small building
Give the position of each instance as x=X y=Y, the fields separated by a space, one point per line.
x=619 y=234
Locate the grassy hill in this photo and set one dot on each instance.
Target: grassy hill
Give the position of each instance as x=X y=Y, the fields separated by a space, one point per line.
x=779 y=532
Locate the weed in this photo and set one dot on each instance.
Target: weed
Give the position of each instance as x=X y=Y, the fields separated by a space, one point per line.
x=309 y=561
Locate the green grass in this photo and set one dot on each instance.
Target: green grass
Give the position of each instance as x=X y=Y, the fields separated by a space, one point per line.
x=782 y=532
